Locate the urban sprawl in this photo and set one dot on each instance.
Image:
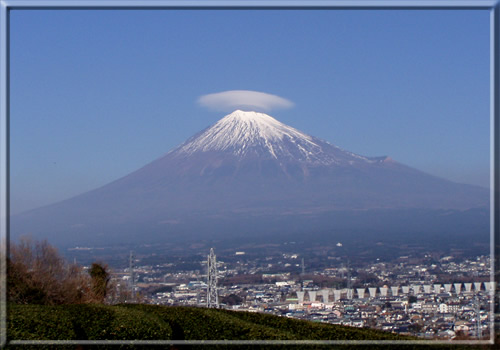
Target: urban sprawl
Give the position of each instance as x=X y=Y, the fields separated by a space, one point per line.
x=404 y=296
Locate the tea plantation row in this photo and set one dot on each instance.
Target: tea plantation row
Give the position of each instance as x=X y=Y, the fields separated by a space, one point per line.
x=151 y=322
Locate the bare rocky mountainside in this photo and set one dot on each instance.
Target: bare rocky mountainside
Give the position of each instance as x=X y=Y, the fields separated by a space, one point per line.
x=249 y=174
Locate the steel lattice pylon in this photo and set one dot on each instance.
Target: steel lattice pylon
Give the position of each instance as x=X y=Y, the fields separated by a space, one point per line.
x=132 y=277
x=212 y=297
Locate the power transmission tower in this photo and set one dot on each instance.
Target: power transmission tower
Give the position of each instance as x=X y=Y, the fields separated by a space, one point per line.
x=212 y=297
x=132 y=277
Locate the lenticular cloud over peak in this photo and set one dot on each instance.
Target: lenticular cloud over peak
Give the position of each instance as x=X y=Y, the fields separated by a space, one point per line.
x=228 y=101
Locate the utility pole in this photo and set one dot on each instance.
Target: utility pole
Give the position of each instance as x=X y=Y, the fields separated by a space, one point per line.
x=212 y=296
x=478 y=318
x=303 y=267
x=198 y=288
x=348 y=275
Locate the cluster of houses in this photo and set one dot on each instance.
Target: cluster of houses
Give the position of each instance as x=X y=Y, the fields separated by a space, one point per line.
x=404 y=296
x=433 y=311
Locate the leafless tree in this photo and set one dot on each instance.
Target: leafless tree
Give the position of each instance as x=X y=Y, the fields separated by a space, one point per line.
x=37 y=274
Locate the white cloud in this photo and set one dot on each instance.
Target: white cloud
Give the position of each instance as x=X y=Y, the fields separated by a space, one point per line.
x=228 y=101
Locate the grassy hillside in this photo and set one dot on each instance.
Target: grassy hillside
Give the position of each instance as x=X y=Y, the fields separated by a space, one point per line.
x=149 y=322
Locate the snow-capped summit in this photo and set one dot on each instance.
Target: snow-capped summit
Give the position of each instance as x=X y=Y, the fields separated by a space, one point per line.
x=244 y=133
x=240 y=131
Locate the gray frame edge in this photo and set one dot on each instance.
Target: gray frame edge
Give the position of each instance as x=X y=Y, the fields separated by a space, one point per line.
x=492 y=5
x=4 y=169
x=259 y=4
x=494 y=163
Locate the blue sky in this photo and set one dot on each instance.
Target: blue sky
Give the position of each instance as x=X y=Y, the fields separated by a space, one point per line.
x=96 y=94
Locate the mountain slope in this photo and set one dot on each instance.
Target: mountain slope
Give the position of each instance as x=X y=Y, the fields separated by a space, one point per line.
x=246 y=164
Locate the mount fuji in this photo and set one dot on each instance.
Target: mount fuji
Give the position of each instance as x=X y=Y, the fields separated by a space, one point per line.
x=250 y=175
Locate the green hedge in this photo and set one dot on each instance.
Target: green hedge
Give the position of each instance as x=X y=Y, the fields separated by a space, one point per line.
x=38 y=322
x=209 y=324
x=83 y=322
x=313 y=330
x=144 y=322
x=151 y=322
